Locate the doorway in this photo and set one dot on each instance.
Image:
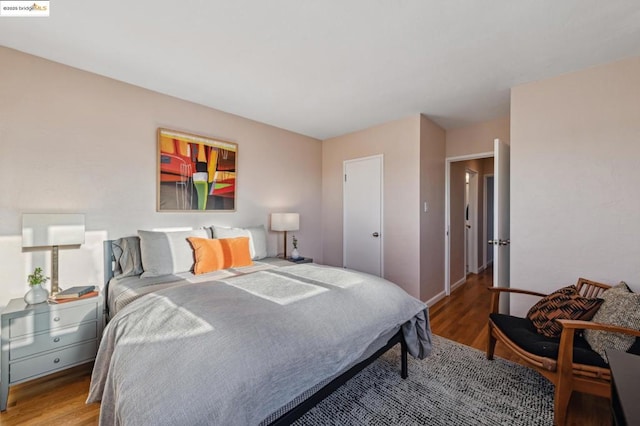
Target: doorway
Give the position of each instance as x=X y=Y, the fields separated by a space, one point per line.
x=465 y=217
x=363 y=221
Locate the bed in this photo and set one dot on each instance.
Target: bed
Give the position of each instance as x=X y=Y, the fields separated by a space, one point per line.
x=245 y=346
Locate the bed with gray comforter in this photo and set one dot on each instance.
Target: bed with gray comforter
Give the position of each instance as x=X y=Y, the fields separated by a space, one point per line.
x=236 y=350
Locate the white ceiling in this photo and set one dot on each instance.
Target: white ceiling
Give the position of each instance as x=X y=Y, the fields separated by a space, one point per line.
x=328 y=67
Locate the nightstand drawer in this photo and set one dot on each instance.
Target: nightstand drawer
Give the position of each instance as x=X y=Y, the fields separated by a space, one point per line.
x=54 y=339
x=53 y=361
x=55 y=318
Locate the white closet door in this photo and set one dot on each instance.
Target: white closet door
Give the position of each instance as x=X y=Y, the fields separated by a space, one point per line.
x=362 y=225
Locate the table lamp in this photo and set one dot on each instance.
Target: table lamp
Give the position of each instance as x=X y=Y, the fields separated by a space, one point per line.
x=285 y=222
x=52 y=230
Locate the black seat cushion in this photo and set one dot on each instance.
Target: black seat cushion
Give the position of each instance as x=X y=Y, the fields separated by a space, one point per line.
x=522 y=332
x=635 y=348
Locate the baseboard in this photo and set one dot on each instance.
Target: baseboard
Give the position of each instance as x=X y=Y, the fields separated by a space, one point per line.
x=485 y=266
x=435 y=299
x=438 y=297
x=458 y=283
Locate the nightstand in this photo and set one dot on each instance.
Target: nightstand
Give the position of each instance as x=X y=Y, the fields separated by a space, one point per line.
x=300 y=260
x=41 y=339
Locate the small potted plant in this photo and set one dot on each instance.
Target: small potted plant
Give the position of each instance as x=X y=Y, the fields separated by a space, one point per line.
x=36 y=293
x=294 y=252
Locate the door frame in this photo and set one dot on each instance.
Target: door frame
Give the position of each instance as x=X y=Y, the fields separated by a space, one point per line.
x=485 y=220
x=344 y=195
x=447 y=214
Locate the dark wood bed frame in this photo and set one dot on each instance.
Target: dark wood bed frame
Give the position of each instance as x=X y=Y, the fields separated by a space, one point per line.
x=300 y=409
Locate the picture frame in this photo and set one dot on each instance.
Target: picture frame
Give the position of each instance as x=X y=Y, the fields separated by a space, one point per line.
x=195 y=173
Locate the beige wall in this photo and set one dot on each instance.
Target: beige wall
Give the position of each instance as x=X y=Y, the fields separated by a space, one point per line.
x=575 y=150
x=432 y=177
x=477 y=138
x=72 y=141
x=399 y=143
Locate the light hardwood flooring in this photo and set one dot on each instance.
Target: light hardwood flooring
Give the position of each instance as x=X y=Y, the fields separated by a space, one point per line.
x=60 y=398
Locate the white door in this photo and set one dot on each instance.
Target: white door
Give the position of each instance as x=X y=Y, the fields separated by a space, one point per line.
x=501 y=237
x=362 y=225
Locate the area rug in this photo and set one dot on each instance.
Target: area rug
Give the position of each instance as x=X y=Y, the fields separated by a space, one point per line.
x=455 y=385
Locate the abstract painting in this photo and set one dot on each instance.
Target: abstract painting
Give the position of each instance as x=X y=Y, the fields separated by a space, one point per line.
x=195 y=173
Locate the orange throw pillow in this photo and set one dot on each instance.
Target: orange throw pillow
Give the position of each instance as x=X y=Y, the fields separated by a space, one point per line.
x=236 y=252
x=214 y=254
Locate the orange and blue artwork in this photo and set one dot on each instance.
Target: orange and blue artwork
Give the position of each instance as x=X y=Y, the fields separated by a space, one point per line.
x=195 y=173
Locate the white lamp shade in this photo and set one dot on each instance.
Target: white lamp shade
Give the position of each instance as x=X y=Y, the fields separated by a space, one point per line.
x=285 y=221
x=41 y=230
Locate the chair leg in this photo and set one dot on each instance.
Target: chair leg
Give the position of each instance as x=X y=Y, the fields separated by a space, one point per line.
x=491 y=344
x=561 y=404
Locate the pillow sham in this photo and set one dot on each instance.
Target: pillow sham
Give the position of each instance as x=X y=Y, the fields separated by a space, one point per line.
x=214 y=254
x=621 y=307
x=126 y=252
x=258 y=241
x=257 y=238
x=165 y=253
x=565 y=303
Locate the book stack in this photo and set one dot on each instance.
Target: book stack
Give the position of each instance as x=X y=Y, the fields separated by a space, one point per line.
x=74 y=293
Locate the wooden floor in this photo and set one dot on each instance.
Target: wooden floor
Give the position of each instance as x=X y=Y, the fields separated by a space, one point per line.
x=60 y=399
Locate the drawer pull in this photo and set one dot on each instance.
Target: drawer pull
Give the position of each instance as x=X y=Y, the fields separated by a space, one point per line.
x=57 y=360
x=56 y=319
x=57 y=339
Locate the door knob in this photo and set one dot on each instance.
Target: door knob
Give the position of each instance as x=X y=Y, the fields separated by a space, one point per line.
x=375 y=234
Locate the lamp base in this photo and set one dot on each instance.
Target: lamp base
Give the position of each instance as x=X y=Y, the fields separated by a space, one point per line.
x=54 y=271
x=284 y=256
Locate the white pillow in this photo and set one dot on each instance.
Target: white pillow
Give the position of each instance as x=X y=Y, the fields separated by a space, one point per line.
x=257 y=238
x=165 y=253
x=258 y=241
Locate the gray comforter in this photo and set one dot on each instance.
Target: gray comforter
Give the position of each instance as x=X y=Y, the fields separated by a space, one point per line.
x=231 y=352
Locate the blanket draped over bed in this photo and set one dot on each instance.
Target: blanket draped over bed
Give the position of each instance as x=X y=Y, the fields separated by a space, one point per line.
x=233 y=351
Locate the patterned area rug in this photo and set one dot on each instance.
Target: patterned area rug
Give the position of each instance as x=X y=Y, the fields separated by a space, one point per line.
x=456 y=385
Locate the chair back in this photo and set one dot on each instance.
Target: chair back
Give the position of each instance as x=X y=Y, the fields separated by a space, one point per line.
x=591 y=289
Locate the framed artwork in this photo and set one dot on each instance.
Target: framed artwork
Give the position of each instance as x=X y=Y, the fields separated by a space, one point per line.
x=195 y=173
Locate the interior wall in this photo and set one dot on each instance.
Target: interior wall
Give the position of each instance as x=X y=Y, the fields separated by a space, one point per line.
x=432 y=184
x=399 y=143
x=574 y=177
x=477 y=138
x=72 y=141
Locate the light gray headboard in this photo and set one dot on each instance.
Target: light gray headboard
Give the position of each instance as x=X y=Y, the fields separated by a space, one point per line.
x=108 y=261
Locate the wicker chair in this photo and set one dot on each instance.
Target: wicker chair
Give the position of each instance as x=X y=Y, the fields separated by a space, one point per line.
x=568 y=362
